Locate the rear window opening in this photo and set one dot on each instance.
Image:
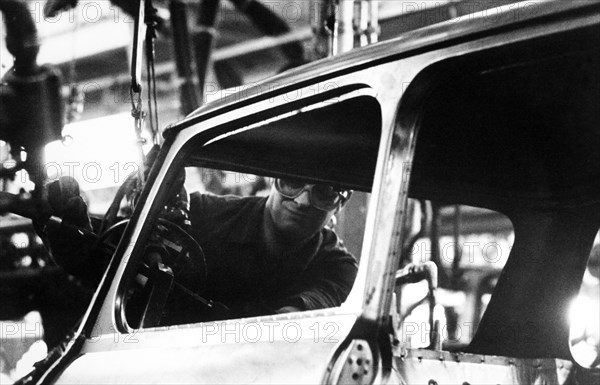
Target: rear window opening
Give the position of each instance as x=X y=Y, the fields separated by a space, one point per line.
x=516 y=130
x=470 y=246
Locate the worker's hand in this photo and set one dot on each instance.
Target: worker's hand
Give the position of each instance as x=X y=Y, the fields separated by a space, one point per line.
x=69 y=246
x=64 y=201
x=287 y=309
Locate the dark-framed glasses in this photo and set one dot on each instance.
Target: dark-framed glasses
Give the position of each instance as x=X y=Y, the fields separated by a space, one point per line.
x=323 y=197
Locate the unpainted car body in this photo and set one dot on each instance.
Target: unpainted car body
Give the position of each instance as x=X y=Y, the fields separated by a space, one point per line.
x=496 y=110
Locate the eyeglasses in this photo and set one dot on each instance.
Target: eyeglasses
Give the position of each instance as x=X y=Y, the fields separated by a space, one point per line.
x=321 y=196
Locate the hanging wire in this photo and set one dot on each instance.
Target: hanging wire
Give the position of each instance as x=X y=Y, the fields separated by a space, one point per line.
x=76 y=99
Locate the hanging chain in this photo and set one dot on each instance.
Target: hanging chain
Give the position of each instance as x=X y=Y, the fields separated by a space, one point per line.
x=146 y=15
x=151 y=25
x=135 y=90
x=138 y=114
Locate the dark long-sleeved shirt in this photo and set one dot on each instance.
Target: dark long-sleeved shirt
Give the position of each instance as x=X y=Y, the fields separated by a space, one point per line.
x=245 y=276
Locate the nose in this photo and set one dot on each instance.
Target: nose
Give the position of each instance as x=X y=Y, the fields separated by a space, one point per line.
x=303 y=199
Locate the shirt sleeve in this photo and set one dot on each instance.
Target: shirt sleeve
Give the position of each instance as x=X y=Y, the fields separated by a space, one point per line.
x=328 y=279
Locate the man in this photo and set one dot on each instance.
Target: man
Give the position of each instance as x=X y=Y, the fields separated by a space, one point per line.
x=263 y=254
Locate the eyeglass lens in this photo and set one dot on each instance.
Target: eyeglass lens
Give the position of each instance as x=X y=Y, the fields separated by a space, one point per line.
x=323 y=196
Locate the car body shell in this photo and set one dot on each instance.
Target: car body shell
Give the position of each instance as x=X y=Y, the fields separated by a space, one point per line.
x=314 y=346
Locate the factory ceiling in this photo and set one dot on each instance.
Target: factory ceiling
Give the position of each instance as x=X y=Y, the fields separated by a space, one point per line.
x=92 y=43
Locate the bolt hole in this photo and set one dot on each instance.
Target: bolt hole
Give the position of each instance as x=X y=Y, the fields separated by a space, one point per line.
x=432 y=382
x=359 y=347
x=355 y=376
x=359 y=361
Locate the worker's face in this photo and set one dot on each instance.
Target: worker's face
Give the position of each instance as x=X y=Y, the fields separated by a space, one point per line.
x=296 y=219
